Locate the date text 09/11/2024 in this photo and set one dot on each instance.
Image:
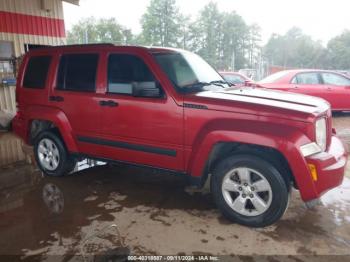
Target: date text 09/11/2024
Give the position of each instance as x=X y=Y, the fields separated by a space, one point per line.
x=173 y=258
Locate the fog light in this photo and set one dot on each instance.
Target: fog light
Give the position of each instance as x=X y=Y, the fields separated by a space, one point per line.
x=313 y=171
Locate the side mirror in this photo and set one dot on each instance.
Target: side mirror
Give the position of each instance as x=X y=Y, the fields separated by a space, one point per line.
x=146 y=89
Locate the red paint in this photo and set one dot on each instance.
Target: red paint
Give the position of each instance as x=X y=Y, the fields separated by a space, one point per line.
x=276 y=120
x=337 y=95
x=31 y=25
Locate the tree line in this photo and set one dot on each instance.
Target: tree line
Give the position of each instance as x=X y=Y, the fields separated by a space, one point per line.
x=224 y=39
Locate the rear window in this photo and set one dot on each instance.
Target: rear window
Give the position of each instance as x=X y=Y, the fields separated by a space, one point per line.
x=77 y=72
x=36 y=72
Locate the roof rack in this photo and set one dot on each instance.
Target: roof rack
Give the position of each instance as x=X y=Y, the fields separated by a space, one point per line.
x=82 y=45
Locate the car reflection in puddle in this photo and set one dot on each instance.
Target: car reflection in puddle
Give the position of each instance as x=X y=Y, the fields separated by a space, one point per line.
x=35 y=210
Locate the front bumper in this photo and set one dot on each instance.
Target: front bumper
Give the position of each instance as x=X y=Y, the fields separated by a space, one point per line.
x=330 y=166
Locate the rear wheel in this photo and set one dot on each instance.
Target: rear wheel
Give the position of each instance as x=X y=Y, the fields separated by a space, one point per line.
x=250 y=191
x=51 y=155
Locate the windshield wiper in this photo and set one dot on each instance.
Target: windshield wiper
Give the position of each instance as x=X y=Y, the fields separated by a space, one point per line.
x=200 y=86
x=196 y=85
x=219 y=83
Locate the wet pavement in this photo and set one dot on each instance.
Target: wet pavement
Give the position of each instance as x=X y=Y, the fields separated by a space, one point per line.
x=108 y=207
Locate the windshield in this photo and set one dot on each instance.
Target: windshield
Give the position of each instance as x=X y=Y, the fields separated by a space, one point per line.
x=272 y=78
x=189 y=72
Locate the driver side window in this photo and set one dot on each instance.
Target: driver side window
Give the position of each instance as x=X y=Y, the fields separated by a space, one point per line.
x=127 y=72
x=306 y=79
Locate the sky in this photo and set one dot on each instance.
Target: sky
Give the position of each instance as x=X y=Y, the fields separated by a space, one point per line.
x=321 y=19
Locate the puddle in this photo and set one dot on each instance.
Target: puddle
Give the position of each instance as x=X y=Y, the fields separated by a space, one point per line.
x=338 y=201
x=45 y=216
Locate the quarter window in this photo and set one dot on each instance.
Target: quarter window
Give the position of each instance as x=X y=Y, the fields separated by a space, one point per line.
x=126 y=71
x=36 y=72
x=307 y=79
x=334 y=79
x=77 y=72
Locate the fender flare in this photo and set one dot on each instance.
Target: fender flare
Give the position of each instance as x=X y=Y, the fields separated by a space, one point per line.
x=287 y=144
x=58 y=118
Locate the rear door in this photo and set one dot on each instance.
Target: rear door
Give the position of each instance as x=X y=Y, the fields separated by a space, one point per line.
x=143 y=129
x=308 y=83
x=337 y=89
x=74 y=93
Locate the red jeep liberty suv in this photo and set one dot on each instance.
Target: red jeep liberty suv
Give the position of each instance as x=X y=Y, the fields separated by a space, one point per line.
x=168 y=109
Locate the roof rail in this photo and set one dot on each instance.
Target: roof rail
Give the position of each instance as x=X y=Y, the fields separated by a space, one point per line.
x=81 y=45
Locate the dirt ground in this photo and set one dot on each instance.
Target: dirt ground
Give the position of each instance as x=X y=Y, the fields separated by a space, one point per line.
x=81 y=214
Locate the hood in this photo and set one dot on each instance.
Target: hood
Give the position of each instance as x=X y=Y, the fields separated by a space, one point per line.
x=264 y=98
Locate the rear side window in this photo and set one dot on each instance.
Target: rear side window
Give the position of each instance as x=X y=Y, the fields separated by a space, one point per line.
x=333 y=79
x=36 y=72
x=77 y=72
x=126 y=70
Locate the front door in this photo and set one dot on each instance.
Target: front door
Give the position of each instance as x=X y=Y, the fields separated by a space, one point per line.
x=144 y=127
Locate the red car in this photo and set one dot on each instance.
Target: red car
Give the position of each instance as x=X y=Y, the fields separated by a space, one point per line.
x=331 y=86
x=168 y=109
x=236 y=79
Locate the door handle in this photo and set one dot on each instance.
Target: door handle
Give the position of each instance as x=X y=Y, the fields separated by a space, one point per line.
x=56 y=98
x=109 y=103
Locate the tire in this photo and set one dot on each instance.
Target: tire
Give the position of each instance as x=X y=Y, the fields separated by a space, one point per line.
x=51 y=155
x=249 y=191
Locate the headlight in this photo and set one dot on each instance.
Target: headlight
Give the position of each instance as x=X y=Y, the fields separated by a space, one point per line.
x=321 y=133
x=321 y=139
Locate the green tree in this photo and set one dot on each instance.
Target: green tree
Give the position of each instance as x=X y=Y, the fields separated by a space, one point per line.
x=161 y=24
x=185 y=31
x=295 y=50
x=90 y=30
x=339 y=51
x=223 y=38
x=205 y=34
x=253 y=46
x=232 y=46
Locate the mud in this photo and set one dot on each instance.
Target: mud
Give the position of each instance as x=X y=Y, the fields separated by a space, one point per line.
x=81 y=214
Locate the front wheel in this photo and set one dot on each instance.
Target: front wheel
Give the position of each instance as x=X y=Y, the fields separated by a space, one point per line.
x=51 y=155
x=250 y=191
